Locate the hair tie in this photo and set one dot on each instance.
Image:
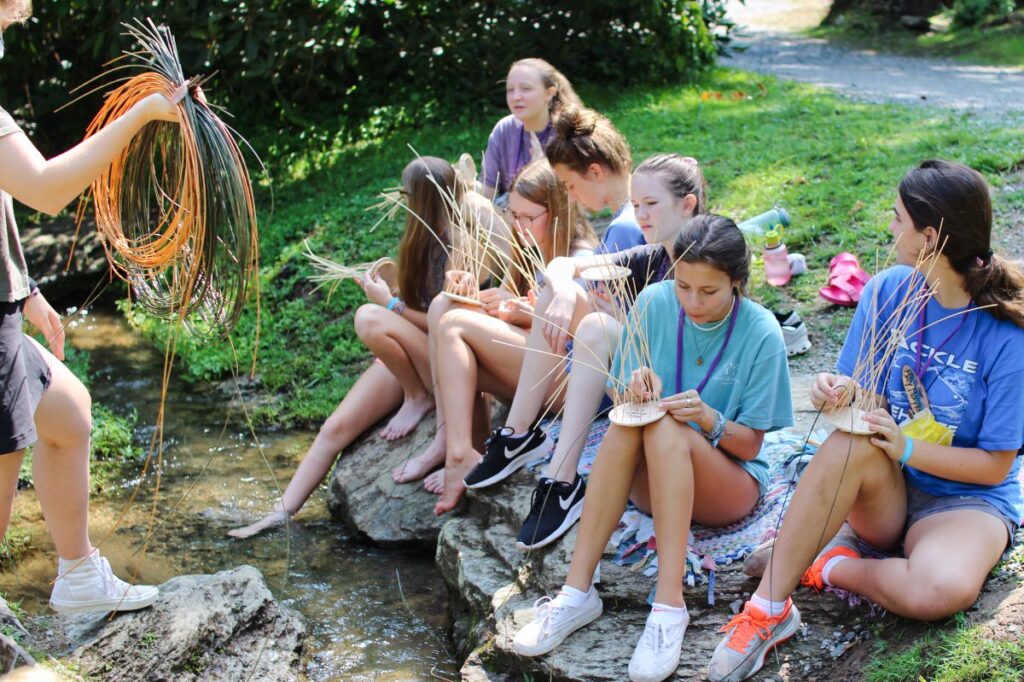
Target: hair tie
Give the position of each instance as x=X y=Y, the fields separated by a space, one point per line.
x=690 y=159
x=984 y=259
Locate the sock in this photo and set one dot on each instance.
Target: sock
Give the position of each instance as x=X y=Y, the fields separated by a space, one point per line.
x=829 y=565
x=66 y=565
x=667 y=615
x=573 y=597
x=772 y=608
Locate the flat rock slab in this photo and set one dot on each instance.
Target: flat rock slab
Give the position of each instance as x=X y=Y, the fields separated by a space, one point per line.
x=225 y=626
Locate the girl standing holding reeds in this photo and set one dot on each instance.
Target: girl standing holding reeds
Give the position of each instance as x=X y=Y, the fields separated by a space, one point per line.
x=952 y=507
x=482 y=349
x=667 y=191
x=44 y=405
x=394 y=329
x=718 y=368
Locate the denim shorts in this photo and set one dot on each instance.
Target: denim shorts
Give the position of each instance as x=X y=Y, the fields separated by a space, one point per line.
x=921 y=505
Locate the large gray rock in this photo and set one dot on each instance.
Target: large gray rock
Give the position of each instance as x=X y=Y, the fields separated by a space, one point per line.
x=363 y=495
x=493 y=585
x=65 y=267
x=225 y=626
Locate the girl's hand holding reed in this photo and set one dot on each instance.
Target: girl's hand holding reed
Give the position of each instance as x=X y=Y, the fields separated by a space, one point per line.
x=517 y=311
x=493 y=299
x=39 y=312
x=461 y=283
x=644 y=385
x=376 y=289
x=687 y=407
x=832 y=390
x=888 y=436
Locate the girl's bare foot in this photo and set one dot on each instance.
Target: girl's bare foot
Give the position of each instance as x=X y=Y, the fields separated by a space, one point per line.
x=422 y=464
x=271 y=520
x=434 y=483
x=454 y=487
x=412 y=411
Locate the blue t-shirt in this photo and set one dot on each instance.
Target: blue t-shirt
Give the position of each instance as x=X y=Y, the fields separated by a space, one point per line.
x=974 y=380
x=750 y=386
x=622 y=232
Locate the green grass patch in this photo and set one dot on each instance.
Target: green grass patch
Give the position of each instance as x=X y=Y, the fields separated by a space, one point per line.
x=962 y=655
x=992 y=45
x=833 y=163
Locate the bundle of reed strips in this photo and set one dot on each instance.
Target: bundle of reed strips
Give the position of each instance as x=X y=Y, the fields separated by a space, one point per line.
x=175 y=209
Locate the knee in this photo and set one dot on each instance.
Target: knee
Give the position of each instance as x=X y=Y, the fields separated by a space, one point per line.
x=669 y=439
x=337 y=427
x=438 y=307
x=854 y=451
x=937 y=595
x=370 y=321
x=596 y=332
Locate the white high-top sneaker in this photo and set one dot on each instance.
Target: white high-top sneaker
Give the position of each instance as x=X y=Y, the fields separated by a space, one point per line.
x=89 y=585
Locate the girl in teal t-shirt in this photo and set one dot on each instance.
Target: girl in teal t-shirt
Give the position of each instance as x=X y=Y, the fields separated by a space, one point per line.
x=719 y=369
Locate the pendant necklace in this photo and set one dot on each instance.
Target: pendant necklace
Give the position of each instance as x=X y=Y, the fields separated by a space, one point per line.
x=707 y=330
x=721 y=351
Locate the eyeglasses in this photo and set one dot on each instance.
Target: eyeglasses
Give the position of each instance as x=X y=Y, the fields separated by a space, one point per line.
x=526 y=220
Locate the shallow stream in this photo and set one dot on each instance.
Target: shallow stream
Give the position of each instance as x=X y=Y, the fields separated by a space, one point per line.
x=371 y=614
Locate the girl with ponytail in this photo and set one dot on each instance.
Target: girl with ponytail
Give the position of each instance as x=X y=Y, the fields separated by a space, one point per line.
x=952 y=508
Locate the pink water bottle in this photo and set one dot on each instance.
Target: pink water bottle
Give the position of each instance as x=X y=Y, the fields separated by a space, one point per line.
x=776 y=258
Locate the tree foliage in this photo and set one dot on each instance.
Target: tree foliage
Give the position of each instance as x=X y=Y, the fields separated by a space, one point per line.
x=309 y=69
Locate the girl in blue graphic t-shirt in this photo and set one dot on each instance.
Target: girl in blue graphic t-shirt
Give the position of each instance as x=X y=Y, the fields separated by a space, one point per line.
x=717 y=362
x=953 y=507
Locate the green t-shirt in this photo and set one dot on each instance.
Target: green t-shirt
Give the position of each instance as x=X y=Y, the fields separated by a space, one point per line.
x=750 y=385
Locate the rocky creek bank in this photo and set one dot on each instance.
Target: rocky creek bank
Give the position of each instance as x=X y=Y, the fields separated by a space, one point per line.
x=492 y=584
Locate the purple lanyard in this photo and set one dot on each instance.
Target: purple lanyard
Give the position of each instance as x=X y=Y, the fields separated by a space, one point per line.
x=918 y=370
x=718 y=357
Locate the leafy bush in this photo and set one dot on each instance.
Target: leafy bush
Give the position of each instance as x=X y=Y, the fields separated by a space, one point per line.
x=306 y=71
x=973 y=12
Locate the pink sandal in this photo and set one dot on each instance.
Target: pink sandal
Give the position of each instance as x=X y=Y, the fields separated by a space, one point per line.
x=846 y=279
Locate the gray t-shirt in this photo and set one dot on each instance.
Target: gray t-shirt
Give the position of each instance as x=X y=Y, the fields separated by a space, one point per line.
x=13 y=271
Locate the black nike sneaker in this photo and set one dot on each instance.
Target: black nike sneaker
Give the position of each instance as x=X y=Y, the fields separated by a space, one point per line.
x=554 y=508
x=504 y=454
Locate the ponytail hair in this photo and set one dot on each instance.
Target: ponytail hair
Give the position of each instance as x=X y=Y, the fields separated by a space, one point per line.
x=954 y=199
x=584 y=137
x=682 y=175
x=552 y=78
x=715 y=240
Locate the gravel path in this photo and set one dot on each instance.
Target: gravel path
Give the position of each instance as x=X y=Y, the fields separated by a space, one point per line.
x=865 y=74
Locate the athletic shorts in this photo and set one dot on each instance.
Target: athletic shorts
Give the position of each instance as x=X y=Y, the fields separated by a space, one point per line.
x=24 y=376
x=921 y=505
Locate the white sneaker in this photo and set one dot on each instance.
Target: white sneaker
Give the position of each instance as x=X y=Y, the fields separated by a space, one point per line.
x=657 y=653
x=90 y=585
x=553 y=621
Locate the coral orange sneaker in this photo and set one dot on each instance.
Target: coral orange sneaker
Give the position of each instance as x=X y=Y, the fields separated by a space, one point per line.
x=845 y=543
x=751 y=635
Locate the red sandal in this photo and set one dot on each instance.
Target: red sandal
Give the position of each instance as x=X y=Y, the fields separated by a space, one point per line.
x=846 y=279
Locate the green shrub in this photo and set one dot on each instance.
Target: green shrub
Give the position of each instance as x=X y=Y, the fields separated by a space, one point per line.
x=305 y=71
x=973 y=12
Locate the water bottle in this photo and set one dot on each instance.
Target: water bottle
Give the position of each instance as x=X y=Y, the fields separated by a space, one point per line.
x=760 y=224
x=776 y=258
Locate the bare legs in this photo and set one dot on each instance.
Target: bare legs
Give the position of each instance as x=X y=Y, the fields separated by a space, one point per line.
x=674 y=473
x=376 y=393
x=60 y=463
x=477 y=353
x=948 y=554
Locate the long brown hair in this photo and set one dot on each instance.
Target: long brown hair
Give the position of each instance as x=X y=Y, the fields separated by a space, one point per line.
x=716 y=241
x=552 y=78
x=583 y=137
x=954 y=199
x=424 y=181
x=567 y=228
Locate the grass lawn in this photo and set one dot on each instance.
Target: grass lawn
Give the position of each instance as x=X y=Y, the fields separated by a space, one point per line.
x=833 y=163
x=994 y=45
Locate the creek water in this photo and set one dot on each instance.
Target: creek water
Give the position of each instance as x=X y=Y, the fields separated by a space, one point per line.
x=371 y=614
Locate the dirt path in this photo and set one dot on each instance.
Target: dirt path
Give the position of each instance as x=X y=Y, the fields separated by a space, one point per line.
x=775 y=46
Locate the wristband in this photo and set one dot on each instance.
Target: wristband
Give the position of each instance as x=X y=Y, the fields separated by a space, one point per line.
x=908 y=450
x=393 y=303
x=717 y=430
